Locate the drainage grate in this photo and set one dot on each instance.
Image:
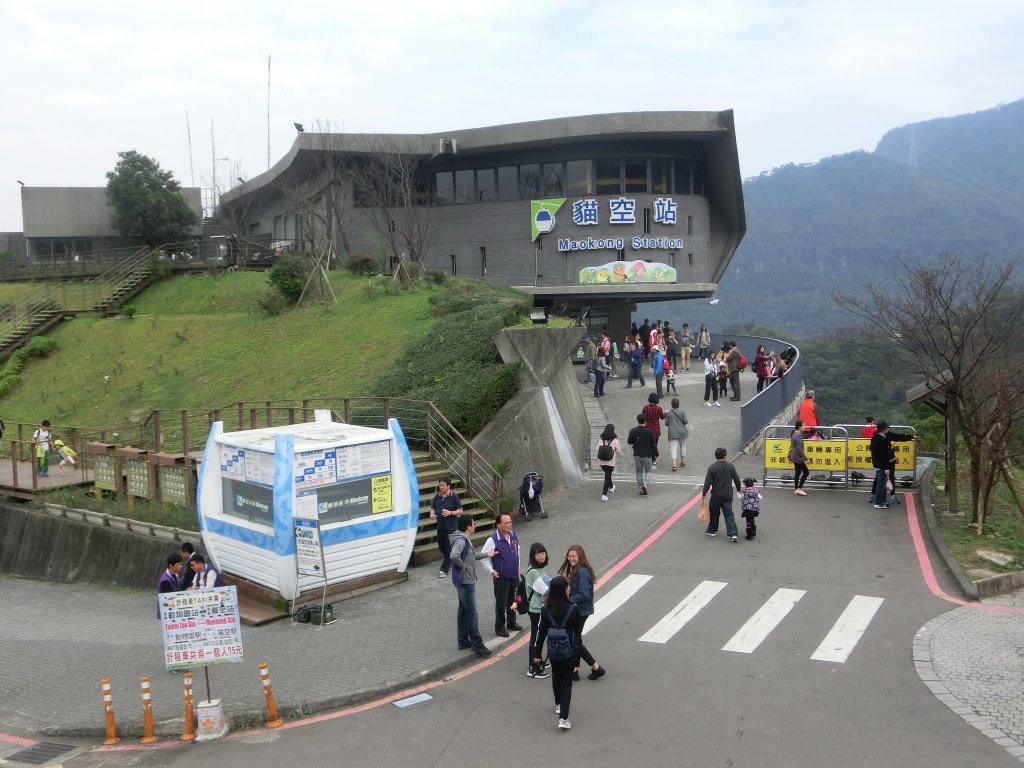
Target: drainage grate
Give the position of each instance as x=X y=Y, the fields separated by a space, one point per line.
x=40 y=753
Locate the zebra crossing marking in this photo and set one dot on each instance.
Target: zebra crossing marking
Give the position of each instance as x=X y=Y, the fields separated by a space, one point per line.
x=608 y=603
x=678 y=617
x=848 y=629
x=762 y=623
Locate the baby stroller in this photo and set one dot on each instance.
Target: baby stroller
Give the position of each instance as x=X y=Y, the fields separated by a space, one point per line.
x=530 y=491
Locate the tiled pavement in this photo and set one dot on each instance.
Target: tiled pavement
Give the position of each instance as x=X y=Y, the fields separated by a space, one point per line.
x=58 y=641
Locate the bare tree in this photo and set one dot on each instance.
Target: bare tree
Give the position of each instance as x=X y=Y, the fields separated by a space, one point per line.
x=384 y=180
x=957 y=321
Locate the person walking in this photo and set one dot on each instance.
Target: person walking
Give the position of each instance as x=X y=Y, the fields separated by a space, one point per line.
x=678 y=431
x=644 y=447
x=732 y=361
x=580 y=574
x=750 y=506
x=464 y=579
x=560 y=612
x=608 y=449
x=42 y=441
x=445 y=508
x=654 y=414
x=672 y=350
x=704 y=342
x=808 y=411
x=686 y=346
x=711 y=382
x=588 y=358
x=798 y=456
x=657 y=367
x=717 y=480
x=601 y=371
x=502 y=551
x=534 y=573
x=636 y=365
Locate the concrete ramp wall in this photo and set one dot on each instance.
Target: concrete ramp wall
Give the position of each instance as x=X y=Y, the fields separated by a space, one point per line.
x=36 y=545
x=544 y=428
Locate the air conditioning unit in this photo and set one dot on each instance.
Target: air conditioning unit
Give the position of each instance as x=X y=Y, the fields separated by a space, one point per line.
x=448 y=147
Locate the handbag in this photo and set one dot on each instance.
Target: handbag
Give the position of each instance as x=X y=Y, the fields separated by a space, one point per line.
x=704 y=514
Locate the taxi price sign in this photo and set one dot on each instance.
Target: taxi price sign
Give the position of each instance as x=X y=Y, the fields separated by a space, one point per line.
x=201 y=627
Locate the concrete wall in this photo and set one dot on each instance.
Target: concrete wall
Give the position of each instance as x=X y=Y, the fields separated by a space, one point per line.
x=13 y=242
x=529 y=429
x=36 y=545
x=62 y=212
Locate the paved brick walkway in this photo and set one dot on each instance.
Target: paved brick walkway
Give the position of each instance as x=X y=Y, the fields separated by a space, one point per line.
x=973 y=660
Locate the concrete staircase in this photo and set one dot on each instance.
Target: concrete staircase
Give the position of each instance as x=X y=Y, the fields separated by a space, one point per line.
x=30 y=316
x=122 y=282
x=428 y=472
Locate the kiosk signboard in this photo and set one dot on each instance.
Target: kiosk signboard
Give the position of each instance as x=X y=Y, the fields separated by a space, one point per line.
x=309 y=553
x=105 y=469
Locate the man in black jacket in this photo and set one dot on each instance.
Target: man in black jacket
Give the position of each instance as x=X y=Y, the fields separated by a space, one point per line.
x=645 y=448
x=882 y=459
x=719 y=476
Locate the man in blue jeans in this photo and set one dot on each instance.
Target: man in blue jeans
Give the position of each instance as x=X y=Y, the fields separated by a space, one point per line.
x=464 y=578
x=719 y=476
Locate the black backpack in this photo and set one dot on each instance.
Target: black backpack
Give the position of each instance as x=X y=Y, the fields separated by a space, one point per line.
x=605 y=452
x=560 y=638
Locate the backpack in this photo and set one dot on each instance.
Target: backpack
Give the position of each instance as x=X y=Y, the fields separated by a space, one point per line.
x=741 y=364
x=665 y=365
x=559 y=638
x=749 y=502
x=522 y=599
x=605 y=452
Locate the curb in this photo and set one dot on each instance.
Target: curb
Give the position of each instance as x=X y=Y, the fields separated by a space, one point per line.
x=972 y=590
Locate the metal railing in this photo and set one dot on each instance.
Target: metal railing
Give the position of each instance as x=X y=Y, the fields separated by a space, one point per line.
x=184 y=431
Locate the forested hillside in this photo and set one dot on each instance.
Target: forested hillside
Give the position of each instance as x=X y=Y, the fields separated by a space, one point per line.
x=951 y=184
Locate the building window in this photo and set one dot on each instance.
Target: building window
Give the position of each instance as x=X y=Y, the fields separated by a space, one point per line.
x=554 y=179
x=444 y=186
x=453 y=264
x=530 y=186
x=682 y=180
x=699 y=182
x=579 y=178
x=483 y=261
x=568 y=267
x=620 y=254
x=661 y=177
x=647 y=221
x=609 y=177
x=672 y=259
x=486 y=188
x=636 y=176
x=689 y=225
x=689 y=259
x=465 y=191
x=508 y=183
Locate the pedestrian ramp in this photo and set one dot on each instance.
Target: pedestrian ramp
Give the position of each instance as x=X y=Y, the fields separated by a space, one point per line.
x=836 y=645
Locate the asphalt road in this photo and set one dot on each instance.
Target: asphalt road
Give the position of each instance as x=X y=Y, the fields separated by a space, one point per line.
x=713 y=690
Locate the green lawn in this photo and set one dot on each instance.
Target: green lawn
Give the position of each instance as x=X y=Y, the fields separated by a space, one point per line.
x=1003 y=531
x=196 y=341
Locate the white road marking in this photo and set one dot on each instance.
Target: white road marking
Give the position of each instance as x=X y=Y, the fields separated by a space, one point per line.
x=848 y=630
x=677 y=618
x=608 y=603
x=767 y=618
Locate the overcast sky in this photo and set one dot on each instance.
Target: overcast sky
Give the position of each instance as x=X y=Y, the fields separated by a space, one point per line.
x=83 y=81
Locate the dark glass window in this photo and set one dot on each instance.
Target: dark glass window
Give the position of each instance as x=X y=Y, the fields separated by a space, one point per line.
x=682 y=180
x=609 y=177
x=579 y=178
x=444 y=193
x=636 y=176
x=486 y=189
x=699 y=181
x=661 y=177
x=423 y=189
x=554 y=179
x=508 y=183
x=465 y=192
x=530 y=182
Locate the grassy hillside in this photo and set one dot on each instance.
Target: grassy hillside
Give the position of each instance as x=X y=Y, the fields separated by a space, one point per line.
x=196 y=341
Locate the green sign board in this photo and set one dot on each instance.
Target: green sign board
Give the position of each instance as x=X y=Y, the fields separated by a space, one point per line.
x=138 y=471
x=173 y=489
x=105 y=469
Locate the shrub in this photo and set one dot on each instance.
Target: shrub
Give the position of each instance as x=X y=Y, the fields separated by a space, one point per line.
x=435 y=277
x=364 y=263
x=129 y=310
x=289 y=274
x=271 y=303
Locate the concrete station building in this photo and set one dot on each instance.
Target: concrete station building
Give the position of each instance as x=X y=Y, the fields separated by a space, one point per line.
x=591 y=213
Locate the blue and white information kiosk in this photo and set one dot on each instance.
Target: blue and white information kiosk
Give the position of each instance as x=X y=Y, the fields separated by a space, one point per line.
x=358 y=483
